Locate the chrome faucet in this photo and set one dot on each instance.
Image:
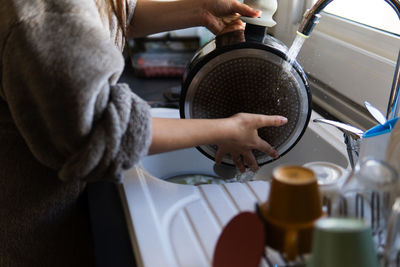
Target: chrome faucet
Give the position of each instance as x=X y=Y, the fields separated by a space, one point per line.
x=352 y=138
x=310 y=19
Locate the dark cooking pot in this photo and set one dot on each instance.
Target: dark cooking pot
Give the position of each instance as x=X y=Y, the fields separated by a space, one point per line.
x=243 y=71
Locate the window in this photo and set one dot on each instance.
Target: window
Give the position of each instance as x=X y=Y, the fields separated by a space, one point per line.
x=353 y=49
x=374 y=13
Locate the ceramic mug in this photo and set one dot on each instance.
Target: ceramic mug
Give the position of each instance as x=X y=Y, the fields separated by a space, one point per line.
x=293 y=206
x=344 y=242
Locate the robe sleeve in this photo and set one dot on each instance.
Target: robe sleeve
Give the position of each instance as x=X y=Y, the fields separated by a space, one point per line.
x=59 y=80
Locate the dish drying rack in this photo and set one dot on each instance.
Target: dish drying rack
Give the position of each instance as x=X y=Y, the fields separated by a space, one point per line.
x=183 y=228
x=358 y=207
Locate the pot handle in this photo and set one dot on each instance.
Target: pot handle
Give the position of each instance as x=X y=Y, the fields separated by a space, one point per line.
x=254 y=33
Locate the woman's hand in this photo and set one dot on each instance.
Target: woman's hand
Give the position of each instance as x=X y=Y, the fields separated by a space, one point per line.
x=241 y=138
x=236 y=135
x=217 y=15
x=224 y=15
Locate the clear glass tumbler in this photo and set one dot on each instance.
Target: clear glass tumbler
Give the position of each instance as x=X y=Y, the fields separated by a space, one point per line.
x=369 y=193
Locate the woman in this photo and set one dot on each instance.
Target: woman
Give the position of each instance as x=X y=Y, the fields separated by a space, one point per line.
x=64 y=119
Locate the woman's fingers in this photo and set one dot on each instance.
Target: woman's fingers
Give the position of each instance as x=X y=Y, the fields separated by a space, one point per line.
x=215 y=24
x=267 y=149
x=230 y=19
x=245 y=10
x=247 y=140
x=266 y=120
x=238 y=161
x=232 y=26
x=250 y=161
x=220 y=155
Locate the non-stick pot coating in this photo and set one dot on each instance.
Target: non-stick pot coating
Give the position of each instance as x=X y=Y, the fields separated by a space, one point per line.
x=252 y=81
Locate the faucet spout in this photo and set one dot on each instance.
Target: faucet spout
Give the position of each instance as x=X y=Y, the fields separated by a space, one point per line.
x=352 y=138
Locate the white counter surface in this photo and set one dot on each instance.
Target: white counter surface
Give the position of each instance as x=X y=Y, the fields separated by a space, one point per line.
x=178 y=225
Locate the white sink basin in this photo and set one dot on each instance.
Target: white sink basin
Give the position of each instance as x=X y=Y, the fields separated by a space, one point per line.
x=179 y=225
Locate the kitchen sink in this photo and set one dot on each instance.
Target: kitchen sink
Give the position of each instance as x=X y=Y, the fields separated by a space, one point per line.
x=319 y=143
x=178 y=225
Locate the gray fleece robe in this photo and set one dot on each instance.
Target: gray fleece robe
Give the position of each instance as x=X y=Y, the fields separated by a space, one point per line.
x=63 y=121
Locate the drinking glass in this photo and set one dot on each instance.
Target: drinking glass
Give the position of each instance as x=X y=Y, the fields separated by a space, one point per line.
x=369 y=193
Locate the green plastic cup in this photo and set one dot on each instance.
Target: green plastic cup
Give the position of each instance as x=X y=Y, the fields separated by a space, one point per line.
x=344 y=242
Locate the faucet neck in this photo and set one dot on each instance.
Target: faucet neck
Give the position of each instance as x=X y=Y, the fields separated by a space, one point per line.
x=393 y=104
